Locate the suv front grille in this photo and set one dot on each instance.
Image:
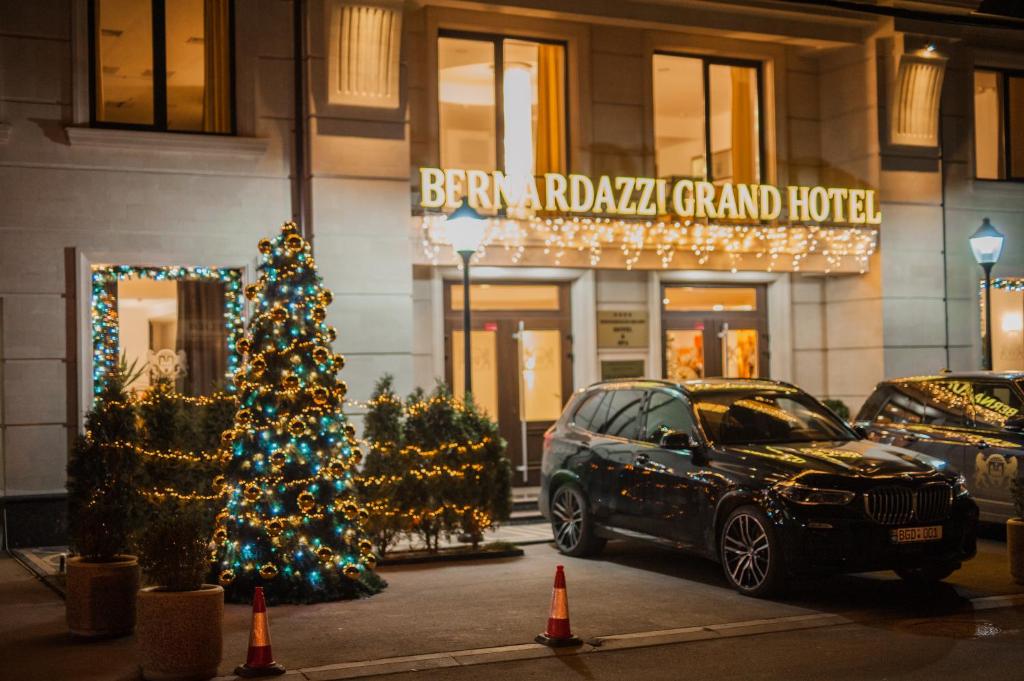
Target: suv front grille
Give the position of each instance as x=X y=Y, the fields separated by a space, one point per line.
x=898 y=505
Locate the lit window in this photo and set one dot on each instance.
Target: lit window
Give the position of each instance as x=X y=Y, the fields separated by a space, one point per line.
x=998 y=125
x=487 y=85
x=705 y=109
x=162 y=65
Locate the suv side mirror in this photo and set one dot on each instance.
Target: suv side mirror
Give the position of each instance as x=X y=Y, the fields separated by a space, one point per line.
x=677 y=439
x=1014 y=423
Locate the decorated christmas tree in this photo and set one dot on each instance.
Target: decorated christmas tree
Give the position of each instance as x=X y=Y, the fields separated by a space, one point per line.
x=291 y=523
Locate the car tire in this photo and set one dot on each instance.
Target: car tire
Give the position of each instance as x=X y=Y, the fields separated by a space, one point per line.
x=929 y=573
x=572 y=523
x=751 y=554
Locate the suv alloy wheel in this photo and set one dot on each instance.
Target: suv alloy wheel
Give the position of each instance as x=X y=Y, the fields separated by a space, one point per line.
x=571 y=522
x=751 y=556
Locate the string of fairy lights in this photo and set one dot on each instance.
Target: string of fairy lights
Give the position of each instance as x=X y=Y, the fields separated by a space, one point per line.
x=745 y=246
x=105 y=323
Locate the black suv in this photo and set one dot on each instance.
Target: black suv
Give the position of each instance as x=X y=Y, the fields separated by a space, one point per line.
x=972 y=421
x=755 y=474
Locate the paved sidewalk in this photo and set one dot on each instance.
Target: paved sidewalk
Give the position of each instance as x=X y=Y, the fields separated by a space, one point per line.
x=439 y=608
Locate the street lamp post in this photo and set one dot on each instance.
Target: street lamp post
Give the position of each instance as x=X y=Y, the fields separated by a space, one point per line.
x=465 y=230
x=987 y=245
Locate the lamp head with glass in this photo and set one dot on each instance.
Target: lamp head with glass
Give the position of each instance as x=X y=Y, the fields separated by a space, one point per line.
x=986 y=244
x=465 y=229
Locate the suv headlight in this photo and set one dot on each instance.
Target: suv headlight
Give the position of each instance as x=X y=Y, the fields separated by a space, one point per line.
x=813 y=496
x=960 y=486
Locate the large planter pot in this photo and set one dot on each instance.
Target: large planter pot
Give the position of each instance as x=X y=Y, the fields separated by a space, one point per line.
x=100 y=600
x=1015 y=548
x=180 y=633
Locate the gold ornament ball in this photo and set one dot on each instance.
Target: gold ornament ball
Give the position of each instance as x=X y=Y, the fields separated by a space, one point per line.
x=321 y=354
x=252 y=492
x=305 y=501
x=218 y=483
x=296 y=426
x=339 y=362
x=258 y=365
x=290 y=382
x=289 y=227
x=320 y=394
x=245 y=415
x=337 y=468
x=220 y=535
x=318 y=314
x=265 y=246
x=279 y=314
x=244 y=345
x=357 y=456
x=363 y=514
x=369 y=560
x=227 y=437
x=268 y=571
x=223 y=517
x=226 y=577
x=238 y=379
x=251 y=291
x=324 y=553
x=277 y=459
x=365 y=546
x=274 y=526
x=350 y=510
x=332 y=334
x=341 y=390
x=351 y=570
x=294 y=243
x=326 y=297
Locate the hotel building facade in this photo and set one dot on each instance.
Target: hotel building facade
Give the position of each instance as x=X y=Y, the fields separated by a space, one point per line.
x=672 y=189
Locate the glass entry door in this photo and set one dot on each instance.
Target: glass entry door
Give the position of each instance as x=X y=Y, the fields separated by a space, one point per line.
x=714 y=331
x=521 y=362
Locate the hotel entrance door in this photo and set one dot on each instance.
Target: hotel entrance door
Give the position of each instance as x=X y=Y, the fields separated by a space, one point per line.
x=521 y=362
x=714 y=331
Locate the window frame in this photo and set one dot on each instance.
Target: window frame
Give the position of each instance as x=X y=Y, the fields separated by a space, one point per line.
x=159 y=39
x=706 y=63
x=695 y=432
x=497 y=40
x=971 y=406
x=1003 y=76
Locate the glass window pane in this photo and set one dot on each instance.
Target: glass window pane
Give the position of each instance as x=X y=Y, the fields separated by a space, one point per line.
x=988 y=125
x=1016 y=127
x=710 y=299
x=666 y=413
x=198 y=66
x=735 y=136
x=484 y=348
x=541 y=374
x=994 y=403
x=124 y=61
x=147 y=313
x=584 y=416
x=507 y=297
x=623 y=415
x=740 y=356
x=533 y=99
x=1007 y=329
x=684 y=355
x=466 y=106
x=679 y=117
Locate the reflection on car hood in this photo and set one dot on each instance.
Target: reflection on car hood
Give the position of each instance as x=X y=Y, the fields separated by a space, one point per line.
x=857 y=457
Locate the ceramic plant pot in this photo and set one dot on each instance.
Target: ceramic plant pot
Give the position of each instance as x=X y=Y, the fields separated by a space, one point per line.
x=100 y=599
x=180 y=633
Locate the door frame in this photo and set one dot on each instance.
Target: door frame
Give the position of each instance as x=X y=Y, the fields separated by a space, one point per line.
x=757 y=318
x=779 y=308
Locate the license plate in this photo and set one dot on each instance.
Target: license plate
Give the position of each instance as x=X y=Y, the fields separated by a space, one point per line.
x=909 y=535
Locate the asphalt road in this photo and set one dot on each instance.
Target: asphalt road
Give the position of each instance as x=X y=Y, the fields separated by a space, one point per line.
x=631 y=588
x=988 y=645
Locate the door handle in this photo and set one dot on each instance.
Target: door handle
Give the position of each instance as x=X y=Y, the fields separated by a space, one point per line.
x=641 y=459
x=981 y=444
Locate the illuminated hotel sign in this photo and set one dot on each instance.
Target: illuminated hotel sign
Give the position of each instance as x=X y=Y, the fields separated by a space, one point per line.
x=646 y=197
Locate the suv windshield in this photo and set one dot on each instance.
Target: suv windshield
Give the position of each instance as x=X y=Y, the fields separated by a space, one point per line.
x=766 y=417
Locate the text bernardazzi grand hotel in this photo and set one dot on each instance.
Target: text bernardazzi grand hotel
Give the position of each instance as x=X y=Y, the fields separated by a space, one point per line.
x=681 y=189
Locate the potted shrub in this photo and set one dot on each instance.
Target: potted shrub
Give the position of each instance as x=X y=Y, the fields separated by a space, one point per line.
x=180 y=623
x=102 y=578
x=1015 y=533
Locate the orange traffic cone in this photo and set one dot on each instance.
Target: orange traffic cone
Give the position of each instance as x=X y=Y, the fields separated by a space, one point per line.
x=260 y=660
x=558 y=633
